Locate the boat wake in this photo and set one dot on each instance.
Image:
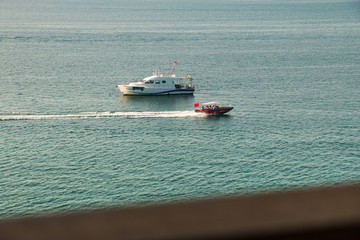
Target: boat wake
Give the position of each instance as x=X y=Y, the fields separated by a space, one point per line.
x=90 y=115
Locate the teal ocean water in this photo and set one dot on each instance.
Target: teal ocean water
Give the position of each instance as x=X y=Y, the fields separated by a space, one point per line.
x=69 y=140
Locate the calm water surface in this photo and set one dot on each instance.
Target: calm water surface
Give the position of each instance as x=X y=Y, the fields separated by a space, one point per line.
x=69 y=140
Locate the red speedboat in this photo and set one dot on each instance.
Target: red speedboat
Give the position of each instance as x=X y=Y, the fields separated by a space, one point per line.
x=212 y=108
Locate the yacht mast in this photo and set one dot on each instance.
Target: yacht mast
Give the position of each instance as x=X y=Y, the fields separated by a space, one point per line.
x=172 y=68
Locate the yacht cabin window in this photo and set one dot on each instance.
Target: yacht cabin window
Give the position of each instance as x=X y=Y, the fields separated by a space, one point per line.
x=157 y=81
x=164 y=81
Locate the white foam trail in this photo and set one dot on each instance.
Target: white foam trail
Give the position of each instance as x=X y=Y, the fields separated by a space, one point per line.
x=87 y=115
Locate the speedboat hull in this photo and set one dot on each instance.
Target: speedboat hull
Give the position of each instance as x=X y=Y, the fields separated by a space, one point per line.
x=215 y=111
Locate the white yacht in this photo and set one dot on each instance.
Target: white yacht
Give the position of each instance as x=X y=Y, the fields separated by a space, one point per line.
x=160 y=84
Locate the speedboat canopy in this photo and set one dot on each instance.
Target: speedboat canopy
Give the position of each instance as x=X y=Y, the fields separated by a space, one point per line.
x=211 y=103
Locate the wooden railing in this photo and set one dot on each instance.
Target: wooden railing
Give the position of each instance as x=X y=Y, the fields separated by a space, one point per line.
x=316 y=213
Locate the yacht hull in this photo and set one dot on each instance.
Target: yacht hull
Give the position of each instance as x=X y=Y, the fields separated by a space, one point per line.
x=131 y=90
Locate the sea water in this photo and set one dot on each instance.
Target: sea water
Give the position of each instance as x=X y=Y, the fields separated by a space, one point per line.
x=69 y=140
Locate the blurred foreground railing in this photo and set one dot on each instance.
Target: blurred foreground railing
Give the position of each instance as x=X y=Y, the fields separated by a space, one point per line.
x=321 y=213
